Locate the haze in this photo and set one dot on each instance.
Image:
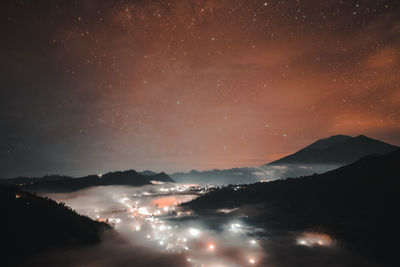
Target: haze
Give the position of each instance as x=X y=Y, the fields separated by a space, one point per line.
x=93 y=86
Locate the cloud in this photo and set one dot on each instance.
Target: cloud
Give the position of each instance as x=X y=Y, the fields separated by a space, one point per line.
x=220 y=238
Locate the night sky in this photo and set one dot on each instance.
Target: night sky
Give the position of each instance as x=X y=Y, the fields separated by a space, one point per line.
x=91 y=86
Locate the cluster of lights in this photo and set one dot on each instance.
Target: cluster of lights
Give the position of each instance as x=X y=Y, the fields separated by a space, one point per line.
x=148 y=220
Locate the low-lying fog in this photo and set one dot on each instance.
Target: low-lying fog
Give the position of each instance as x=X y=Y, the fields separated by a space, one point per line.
x=152 y=230
x=248 y=175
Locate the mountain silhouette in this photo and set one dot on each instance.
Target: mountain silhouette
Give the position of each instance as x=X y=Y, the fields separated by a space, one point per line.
x=356 y=203
x=30 y=225
x=321 y=156
x=57 y=183
x=338 y=149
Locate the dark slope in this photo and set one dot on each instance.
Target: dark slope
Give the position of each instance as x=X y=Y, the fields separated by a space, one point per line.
x=356 y=203
x=148 y=172
x=57 y=183
x=31 y=224
x=161 y=177
x=339 y=149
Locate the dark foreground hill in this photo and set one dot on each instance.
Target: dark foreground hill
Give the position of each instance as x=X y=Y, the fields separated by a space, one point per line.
x=56 y=183
x=338 y=149
x=30 y=225
x=356 y=203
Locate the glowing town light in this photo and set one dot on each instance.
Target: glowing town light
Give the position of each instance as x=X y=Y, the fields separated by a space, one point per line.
x=253 y=242
x=194 y=232
x=137 y=228
x=211 y=246
x=123 y=200
x=143 y=211
x=252 y=261
x=164 y=189
x=314 y=239
x=302 y=242
x=235 y=227
x=156 y=182
x=226 y=210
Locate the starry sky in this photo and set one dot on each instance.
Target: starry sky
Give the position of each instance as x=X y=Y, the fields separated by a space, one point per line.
x=91 y=86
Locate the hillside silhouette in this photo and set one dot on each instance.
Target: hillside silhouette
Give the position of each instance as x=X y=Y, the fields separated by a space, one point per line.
x=356 y=203
x=31 y=224
x=62 y=184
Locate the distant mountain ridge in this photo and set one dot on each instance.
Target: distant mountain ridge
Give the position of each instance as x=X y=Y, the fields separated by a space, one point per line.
x=338 y=149
x=59 y=183
x=148 y=172
x=321 y=156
